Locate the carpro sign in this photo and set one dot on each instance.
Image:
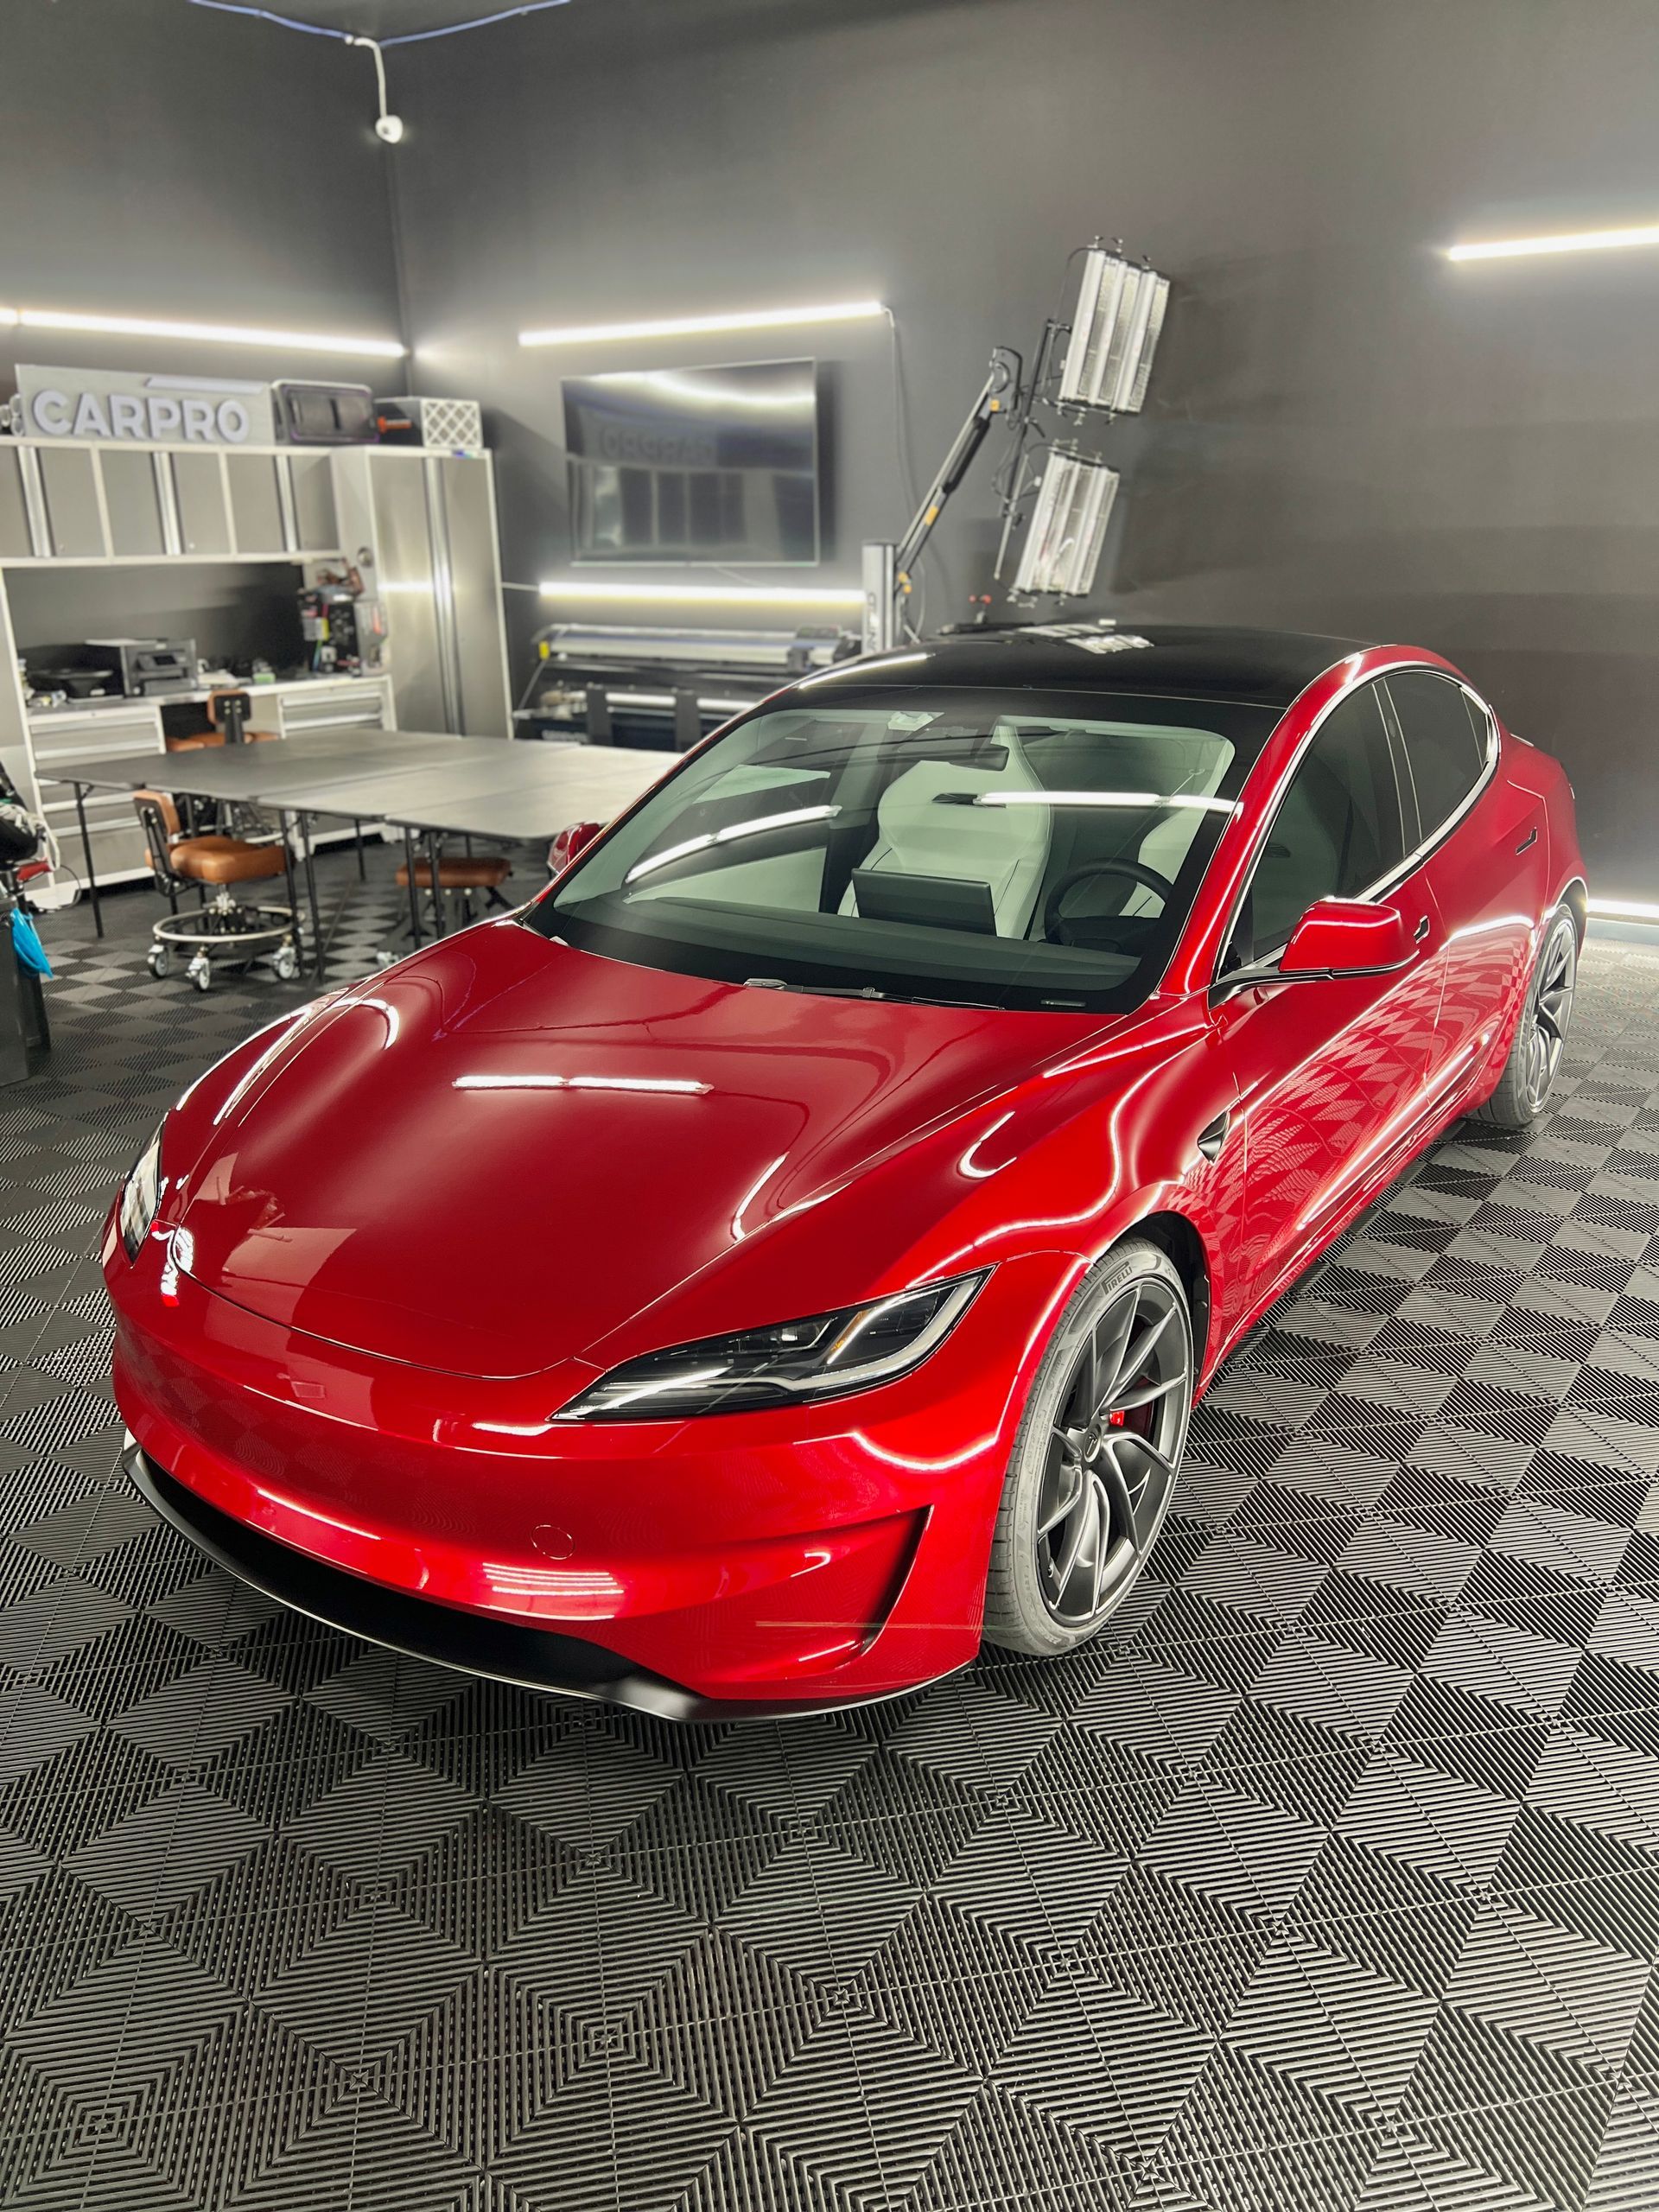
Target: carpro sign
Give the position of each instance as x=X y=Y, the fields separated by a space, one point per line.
x=117 y=405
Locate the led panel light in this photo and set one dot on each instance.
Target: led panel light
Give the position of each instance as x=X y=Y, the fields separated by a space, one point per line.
x=1068 y=528
x=1559 y=242
x=213 y=333
x=1114 y=331
x=598 y=334
x=584 y=588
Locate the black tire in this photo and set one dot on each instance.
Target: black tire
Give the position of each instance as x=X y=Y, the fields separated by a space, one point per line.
x=1540 y=1039
x=1118 y=1473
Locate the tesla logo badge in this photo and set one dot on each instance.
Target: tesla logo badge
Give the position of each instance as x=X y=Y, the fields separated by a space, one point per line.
x=180 y=1258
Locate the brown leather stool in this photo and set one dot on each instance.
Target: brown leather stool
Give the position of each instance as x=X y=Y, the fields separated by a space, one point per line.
x=241 y=933
x=465 y=873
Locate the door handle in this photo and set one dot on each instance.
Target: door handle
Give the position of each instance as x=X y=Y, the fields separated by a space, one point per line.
x=1421 y=932
x=1210 y=1141
x=1527 y=841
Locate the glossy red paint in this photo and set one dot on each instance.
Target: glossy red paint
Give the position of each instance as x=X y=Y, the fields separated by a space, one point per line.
x=1348 y=937
x=426 y=1213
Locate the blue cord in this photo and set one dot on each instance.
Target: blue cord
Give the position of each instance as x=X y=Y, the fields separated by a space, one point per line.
x=233 y=7
x=528 y=8
x=404 y=38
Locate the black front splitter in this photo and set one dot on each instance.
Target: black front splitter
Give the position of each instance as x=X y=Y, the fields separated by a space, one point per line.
x=448 y=1635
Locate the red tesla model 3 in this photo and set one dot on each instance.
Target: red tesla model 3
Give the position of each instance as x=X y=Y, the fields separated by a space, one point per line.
x=787 y=1252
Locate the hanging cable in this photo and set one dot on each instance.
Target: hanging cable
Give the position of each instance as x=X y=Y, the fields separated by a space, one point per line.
x=349 y=38
x=387 y=126
x=267 y=16
x=478 y=22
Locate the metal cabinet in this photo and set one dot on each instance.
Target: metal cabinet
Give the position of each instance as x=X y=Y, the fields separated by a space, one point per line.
x=17 y=533
x=258 y=517
x=112 y=732
x=311 y=491
x=204 y=505
x=133 y=497
x=74 y=503
x=434 y=534
x=355 y=703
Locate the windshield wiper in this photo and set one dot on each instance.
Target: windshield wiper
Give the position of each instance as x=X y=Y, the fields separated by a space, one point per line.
x=865 y=991
x=814 y=990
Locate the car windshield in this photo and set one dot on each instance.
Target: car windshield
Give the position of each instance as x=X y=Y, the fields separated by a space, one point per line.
x=1009 y=848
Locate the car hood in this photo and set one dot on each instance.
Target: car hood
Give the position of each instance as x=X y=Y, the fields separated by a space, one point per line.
x=489 y=1159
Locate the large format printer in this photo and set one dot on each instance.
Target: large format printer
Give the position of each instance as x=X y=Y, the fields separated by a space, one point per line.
x=662 y=689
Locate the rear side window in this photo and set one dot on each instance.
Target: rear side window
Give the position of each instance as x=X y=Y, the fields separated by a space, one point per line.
x=1337 y=831
x=1446 y=736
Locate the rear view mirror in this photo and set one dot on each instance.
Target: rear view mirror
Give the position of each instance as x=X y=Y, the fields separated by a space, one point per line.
x=1347 y=937
x=570 y=841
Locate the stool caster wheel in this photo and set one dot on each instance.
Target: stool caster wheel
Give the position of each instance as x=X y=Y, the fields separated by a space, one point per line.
x=286 y=961
x=199 y=972
x=159 y=961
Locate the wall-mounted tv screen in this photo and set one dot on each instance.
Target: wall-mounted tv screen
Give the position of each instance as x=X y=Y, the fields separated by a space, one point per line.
x=695 y=464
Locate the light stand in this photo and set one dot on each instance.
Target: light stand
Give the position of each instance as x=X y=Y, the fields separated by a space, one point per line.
x=1112 y=337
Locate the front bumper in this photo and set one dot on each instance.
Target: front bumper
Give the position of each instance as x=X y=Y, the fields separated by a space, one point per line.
x=722 y=1567
x=476 y=1643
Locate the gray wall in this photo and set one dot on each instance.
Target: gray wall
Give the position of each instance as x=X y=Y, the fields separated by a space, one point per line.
x=162 y=160
x=1346 y=433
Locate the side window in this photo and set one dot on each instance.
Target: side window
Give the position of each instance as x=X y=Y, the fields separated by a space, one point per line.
x=1338 y=829
x=1446 y=738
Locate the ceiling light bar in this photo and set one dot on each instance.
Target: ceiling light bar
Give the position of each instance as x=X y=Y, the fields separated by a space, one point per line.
x=598 y=334
x=703 y=594
x=1562 y=242
x=211 y=334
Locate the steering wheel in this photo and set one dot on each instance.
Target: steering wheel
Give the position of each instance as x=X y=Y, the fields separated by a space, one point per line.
x=1057 y=930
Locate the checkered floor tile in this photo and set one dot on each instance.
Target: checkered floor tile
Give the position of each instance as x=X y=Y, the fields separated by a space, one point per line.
x=1330 y=1878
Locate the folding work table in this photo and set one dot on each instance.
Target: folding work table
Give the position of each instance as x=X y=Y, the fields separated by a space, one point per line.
x=425 y=785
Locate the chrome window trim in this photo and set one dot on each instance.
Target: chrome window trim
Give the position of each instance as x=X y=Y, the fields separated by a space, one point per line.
x=1371 y=890
x=1414 y=859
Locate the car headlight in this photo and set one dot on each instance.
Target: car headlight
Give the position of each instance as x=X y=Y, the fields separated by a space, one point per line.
x=140 y=1196
x=826 y=1356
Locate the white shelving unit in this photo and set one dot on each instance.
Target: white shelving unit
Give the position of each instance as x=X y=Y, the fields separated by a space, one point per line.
x=420 y=524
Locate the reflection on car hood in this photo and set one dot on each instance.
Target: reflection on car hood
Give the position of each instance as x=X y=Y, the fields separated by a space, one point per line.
x=489 y=1158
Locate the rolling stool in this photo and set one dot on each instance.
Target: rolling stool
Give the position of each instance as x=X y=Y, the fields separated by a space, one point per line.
x=465 y=873
x=221 y=925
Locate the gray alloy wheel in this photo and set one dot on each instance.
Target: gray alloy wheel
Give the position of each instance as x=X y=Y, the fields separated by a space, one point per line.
x=1094 y=1466
x=1541 y=1036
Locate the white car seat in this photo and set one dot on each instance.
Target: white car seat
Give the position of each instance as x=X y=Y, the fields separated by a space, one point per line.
x=920 y=832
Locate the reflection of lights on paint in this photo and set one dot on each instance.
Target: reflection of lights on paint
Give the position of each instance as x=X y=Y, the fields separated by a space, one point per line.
x=180 y=1258
x=968 y=1165
x=665 y=1086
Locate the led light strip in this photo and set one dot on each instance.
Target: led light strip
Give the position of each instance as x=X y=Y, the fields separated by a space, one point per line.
x=1562 y=242
x=212 y=333
x=702 y=594
x=667 y=699
x=599 y=333
x=1623 y=910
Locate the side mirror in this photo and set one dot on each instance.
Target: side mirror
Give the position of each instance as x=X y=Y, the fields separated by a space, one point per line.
x=570 y=841
x=1335 y=937
x=1347 y=937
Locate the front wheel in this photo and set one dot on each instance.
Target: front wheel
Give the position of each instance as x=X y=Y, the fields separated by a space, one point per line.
x=1540 y=1040
x=1095 y=1463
